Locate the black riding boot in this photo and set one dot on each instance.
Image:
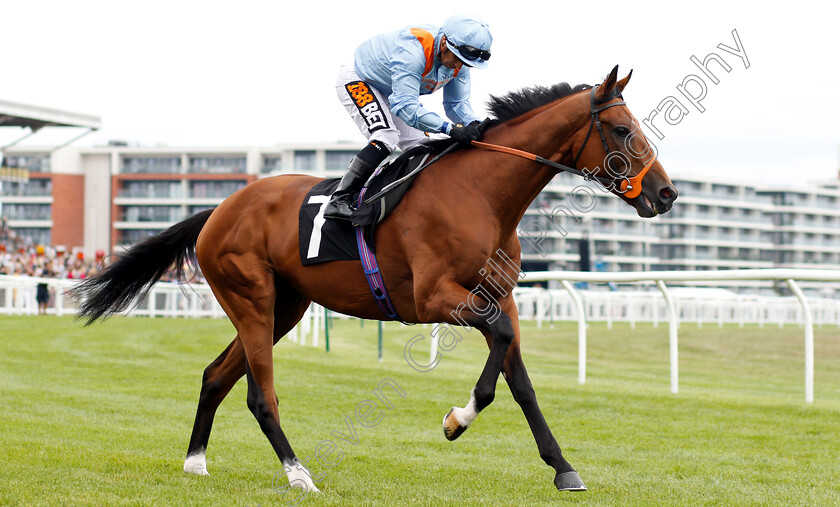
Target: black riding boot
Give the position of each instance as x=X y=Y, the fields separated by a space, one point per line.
x=341 y=203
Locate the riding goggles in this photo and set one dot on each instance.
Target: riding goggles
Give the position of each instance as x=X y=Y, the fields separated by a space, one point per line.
x=472 y=53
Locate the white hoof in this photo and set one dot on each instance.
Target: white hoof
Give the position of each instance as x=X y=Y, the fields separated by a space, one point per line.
x=196 y=464
x=465 y=416
x=299 y=476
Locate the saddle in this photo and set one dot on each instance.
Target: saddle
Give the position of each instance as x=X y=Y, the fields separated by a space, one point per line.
x=323 y=240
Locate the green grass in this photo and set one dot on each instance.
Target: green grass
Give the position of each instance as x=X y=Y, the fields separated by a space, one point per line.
x=102 y=416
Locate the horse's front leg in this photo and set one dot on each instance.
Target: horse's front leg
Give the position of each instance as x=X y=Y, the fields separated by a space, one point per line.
x=499 y=334
x=566 y=479
x=452 y=303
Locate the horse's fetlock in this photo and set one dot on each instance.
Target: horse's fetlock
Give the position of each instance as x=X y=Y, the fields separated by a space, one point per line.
x=483 y=398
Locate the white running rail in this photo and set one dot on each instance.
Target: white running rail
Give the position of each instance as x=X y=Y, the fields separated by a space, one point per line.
x=17 y=297
x=828 y=310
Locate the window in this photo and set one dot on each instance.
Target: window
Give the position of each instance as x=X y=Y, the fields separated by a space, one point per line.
x=151 y=189
x=33 y=235
x=676 y=231
x=216 y=189
x=192 y=210
x=769 y=256
x=603 y=248
x=272 y=164
x=131 y=236
x=37 y=187
x=338 y=160
x=603 y=226
x=35 y=162
x=627 y=248
x=152 y=214
x=688 y=187
x=826 y=201
x=304 y=161
x=151 y=165
x=27 y=211
x=217 y=165
x=724 y=190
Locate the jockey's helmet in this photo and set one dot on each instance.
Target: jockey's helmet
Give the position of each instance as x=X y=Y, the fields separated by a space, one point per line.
x=469 y=38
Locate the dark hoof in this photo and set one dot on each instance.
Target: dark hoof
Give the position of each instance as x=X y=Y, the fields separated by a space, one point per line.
x=569 y=481
x=452 y=429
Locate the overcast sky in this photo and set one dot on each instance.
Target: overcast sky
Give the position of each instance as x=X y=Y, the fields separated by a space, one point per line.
x=251 y=73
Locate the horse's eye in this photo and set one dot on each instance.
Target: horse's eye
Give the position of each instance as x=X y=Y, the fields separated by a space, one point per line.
x=622 y=131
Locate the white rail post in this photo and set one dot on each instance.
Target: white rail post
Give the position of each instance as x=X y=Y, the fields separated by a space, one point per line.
x=58 y=300
x=672 y=336
x=655 y=303
x=433 y=345
x=317 y=316
x=581 y=330
x=809 y=340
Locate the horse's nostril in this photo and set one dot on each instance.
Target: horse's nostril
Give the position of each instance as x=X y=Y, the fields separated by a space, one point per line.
x=667 y=194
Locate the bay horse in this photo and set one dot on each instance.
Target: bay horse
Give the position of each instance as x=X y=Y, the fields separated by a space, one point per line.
x=461 y=212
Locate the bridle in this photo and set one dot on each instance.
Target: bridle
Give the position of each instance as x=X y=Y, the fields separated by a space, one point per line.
x=631 y=187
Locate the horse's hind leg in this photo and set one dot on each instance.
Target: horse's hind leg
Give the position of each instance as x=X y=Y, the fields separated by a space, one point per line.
x=245 y=287
x=219 y=378
x=565 y=479
x=221 y=375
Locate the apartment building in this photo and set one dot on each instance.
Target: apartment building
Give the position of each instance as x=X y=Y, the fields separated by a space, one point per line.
x=112 y=196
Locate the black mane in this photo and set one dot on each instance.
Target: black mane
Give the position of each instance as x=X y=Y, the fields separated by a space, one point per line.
x=514 y=104
x=508 y=107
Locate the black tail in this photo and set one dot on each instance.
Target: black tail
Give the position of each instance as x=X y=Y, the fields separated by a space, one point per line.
x=132 y=276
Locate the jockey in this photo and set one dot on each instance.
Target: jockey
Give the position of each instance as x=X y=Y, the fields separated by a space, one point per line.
x=382 y=93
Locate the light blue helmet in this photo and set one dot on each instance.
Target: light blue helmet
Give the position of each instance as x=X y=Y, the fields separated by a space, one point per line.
x=469 y=38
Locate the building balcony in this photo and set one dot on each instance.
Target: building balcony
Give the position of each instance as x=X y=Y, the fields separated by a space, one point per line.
x=168 y=201
x=715 y=241
x=143 y=225
x=26 y=199
x=764 y=223
x=30 y=223
x=713 y=262
x=801 y=246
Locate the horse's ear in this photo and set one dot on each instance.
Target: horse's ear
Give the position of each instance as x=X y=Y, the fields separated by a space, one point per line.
x=606 y=88
x=622 y=83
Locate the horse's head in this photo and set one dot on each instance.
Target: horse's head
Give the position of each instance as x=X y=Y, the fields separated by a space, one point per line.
x=613 y=149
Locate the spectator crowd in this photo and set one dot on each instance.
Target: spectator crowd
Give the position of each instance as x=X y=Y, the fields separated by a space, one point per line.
x=48 y=262
x=19 y=257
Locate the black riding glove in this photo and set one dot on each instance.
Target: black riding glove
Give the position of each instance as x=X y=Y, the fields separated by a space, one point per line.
x=465 y=134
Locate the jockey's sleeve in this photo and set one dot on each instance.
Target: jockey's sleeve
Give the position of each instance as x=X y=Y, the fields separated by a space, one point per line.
x=407 y=65
x=456 y=98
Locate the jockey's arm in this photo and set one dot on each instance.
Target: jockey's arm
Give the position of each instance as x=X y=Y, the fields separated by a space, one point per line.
x=456 y=99
x=406 y=71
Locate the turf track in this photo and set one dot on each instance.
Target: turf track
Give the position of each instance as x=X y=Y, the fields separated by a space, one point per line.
x=102 y=416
